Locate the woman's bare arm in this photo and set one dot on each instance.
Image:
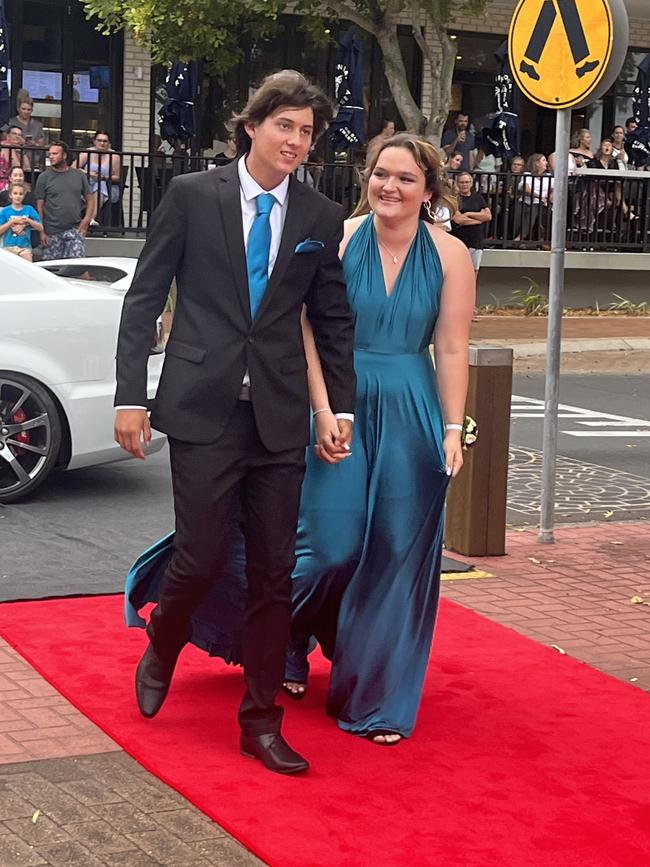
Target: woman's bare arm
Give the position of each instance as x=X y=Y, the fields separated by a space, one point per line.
x=327 y=428
x=451 y=340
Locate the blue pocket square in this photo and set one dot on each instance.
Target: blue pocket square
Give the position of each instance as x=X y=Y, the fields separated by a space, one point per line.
x=309 y=246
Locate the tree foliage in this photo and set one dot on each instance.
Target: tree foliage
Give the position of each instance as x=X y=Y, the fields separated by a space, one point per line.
x=430 y=21
x=212 y=30
x=188 y=29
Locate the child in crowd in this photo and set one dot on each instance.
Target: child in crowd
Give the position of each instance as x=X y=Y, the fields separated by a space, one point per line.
x=16 y=223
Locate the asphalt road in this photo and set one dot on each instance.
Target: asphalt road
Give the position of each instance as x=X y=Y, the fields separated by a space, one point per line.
x=603 y=395
x=83 y=529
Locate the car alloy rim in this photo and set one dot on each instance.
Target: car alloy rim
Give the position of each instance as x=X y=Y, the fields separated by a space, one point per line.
x=25 y=436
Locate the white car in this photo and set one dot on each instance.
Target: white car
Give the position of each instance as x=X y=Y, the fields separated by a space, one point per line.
x=58 y=332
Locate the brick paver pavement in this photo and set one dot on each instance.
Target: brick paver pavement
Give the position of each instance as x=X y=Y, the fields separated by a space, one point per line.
x=575 y=594
x=70 y=796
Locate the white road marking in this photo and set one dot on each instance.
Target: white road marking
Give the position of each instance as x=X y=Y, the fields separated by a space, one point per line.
x=613 y=423
x=533 y=408
x=607 y=433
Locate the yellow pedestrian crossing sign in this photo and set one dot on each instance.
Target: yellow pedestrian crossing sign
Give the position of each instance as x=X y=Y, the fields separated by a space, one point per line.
x=561 y=50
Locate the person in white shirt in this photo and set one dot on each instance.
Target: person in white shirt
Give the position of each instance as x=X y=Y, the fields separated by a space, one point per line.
x=248 y=245
x=535 y=196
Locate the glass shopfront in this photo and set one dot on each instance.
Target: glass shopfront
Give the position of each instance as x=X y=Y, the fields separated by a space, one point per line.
x=71 y=72
x=292 y=46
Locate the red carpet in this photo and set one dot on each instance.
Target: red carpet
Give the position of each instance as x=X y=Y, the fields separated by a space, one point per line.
x=521 y=758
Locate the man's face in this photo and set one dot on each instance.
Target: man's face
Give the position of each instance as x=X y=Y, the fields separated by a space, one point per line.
x=464 y=183
x=631 y=126
x=25 y=111
x=15 y=137
x=56 y=156
x=281 y=141
x=462 y=122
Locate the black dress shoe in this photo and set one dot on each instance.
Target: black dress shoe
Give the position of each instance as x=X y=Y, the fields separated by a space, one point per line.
x=152 y=681
x=274 y=752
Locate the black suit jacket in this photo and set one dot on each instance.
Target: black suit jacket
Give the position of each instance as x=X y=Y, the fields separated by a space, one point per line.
x=196 y=236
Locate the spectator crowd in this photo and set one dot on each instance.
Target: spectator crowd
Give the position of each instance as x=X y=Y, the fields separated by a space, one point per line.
x=508 y=202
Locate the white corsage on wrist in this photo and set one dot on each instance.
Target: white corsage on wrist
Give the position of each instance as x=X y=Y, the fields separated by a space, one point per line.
x=469 y=433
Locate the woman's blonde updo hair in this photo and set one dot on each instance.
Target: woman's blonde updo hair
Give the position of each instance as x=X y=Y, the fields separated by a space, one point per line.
x=428 y=159
x=577 y=137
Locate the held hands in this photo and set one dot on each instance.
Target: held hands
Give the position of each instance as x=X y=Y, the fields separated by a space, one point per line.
x=132 y=429
x=453 y=450
x=333 y=437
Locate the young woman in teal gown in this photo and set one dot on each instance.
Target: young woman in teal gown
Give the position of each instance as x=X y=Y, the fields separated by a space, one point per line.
x=367 y=578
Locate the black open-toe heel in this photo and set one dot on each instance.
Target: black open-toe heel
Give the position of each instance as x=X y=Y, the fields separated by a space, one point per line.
x=378 y=732
x=296 y=696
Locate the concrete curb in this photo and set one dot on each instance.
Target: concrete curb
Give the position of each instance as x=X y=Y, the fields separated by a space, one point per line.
x=601 y=344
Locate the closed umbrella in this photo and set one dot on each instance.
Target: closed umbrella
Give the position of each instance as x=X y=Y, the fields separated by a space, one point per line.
x=501 y=139
x=637 y=144
x=177 y=117
x=348 y=129
x=5 y=109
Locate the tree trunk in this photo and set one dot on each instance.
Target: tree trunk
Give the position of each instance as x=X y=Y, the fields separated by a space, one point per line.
x=395 y=72
x=442 y=78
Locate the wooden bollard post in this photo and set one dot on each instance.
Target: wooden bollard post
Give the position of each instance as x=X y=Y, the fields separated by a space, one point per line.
x=476 y=503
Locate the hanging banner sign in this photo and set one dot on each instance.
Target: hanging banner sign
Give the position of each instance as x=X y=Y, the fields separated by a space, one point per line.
x=567 y=53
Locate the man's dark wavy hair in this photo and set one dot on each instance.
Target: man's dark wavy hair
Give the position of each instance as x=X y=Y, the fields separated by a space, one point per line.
x=287 y=88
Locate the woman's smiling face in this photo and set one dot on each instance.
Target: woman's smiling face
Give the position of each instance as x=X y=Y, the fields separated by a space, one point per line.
x=397 y=185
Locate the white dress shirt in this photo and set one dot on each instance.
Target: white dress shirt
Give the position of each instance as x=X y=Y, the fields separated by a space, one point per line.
x=249 y=190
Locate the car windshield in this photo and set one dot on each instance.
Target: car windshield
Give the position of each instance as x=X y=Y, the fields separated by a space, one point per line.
x=84 y=271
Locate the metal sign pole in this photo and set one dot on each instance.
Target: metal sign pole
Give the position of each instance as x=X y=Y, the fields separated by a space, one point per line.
x=555 y=310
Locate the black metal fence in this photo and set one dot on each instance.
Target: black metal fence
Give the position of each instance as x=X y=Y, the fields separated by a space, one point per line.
x=607 y=210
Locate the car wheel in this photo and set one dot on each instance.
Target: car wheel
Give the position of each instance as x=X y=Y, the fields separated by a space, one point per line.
x=30 y=435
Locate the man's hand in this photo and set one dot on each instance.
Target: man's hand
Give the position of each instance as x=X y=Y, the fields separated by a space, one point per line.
x=83 y=228
x=132 y=429
x=45 y=239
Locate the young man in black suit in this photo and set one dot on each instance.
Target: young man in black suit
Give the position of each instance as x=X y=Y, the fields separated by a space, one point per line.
x=248 y=245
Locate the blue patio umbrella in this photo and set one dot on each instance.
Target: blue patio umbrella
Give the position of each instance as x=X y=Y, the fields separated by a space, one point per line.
x=177 y=117
x=502 y=138
x=637 y=144
x=5 y=109
x=348 y=129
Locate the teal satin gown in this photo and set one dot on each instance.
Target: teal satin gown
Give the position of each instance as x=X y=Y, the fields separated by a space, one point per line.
x=367 y=579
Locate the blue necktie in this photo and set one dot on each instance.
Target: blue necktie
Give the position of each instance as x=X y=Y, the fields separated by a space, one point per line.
x=257 y=251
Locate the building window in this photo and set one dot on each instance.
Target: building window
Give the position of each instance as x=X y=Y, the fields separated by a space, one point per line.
x=73 y=74
x=476 y=67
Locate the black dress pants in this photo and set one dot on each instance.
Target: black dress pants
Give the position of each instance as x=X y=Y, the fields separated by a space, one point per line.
x=206 y=478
